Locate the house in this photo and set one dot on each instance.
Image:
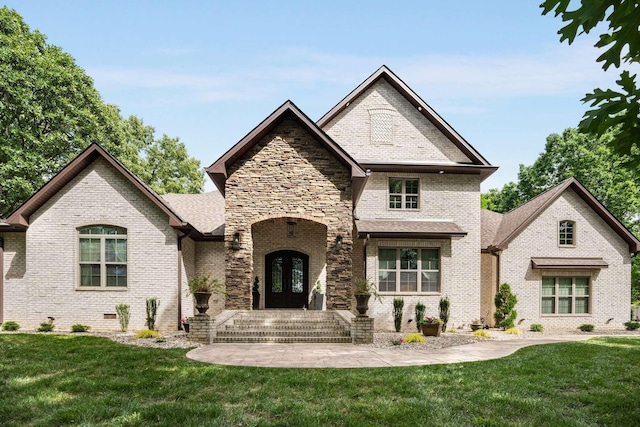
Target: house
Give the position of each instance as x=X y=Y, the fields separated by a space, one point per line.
x=380 y=187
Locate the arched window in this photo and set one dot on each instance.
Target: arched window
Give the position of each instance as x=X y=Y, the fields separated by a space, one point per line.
x=566 y=233
x=103 y=256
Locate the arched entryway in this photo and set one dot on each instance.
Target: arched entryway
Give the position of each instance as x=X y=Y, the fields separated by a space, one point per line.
x=286 y=279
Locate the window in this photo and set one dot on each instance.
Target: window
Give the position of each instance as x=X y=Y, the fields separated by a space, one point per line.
x=103 y=256
x=566 y=233
x=409 y=270
x=403 y=193
x=565 y=295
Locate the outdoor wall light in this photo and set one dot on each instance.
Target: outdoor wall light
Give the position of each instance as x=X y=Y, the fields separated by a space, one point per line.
x=235 y=244
x=291 y=229
x=338 y=243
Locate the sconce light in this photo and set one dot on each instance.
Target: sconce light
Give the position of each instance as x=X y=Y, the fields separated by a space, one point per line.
x=235 y=244
x=291 y=229
x=338 y=243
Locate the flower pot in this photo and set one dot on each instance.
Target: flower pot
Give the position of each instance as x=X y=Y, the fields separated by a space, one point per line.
x=476 y=326
x=318 y=299
x=256 y=301
x=362 y=304
x=185 y=327
x=431 y=329
x=202 y=302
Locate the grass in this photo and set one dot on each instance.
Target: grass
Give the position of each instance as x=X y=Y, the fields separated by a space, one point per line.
x=84 y=380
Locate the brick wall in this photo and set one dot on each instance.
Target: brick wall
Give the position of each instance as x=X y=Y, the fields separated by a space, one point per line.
x=14 y=274
x=287 y=174
x=610 y=287
x=414 y=137
x=49 y=284
x=489 y=267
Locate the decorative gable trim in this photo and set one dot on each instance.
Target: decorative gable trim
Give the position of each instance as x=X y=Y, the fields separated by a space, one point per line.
x=218 y=170
x=19 y=219
x=428 y=112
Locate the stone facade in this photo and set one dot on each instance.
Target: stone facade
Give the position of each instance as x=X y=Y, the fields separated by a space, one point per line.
x=288 y=174
x=610 y=287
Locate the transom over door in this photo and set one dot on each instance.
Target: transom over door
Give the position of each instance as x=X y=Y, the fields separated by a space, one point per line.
x=287 y=279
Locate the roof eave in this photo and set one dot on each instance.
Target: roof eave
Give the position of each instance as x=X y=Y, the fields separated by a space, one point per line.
x=484 y=171
x=405 y=235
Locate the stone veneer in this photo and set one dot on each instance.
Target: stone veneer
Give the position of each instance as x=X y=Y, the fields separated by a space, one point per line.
x=288 y=174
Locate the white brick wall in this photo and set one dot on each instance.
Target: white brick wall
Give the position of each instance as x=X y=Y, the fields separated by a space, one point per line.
x=98 y=195
x=15 y=265
x=414 y=137
x=610 y=287
x=210 y=258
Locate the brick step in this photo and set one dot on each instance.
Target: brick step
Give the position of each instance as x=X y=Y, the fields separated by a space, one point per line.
x=292 y=325
x=287 y=315
x=247 y=321
x=272 y=339
x=284 y=333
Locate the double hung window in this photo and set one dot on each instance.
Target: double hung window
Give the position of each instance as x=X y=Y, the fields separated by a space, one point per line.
x=103 y=256
x=409 y=270
x=565 y=295
x=404 y=193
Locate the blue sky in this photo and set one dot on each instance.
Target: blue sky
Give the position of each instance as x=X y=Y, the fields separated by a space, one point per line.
x=209 y=71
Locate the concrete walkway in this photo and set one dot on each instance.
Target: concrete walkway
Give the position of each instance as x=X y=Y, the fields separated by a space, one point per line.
x=355 y=356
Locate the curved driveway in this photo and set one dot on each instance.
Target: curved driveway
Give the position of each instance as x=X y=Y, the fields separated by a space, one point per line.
x=355 y=356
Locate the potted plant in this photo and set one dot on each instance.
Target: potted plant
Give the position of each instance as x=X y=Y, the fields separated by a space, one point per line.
x=477 y=324
x=431 y=326
x=202 y=287
x=318 y=296
x=185 y=324
x=255 y=293
x=364 y=289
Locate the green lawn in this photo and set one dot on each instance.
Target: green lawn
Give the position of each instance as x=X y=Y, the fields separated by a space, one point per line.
x=80 y=380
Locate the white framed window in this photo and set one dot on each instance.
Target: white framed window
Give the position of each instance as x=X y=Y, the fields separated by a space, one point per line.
x=404 y=193
x=566 y=233
x=102 y=257
x=565 y=295
x=409 y=270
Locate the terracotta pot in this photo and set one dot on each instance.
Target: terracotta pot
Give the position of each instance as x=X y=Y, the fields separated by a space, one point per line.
x=362 y=304
x=431 y=329
x=202 y=301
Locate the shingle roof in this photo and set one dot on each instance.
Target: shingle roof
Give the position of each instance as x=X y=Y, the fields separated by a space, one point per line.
x=424 y=229
x=203 y=211
x=554 y=263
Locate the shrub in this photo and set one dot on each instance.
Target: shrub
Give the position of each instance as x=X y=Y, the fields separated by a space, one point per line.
x=586 y=327
x=452 y=330
x=481 y=333
x=123 y=316
x=536 y=327
x=46 y=327
x=152 y=310
x=505 y=303
x=398 y=341
x=80 y=328
x=10 y=325
x=631 y=325
x=420 y=310
x=513 y=331
x=444 y=306
x=398 y=305
x=417 y=338
x=147 y=333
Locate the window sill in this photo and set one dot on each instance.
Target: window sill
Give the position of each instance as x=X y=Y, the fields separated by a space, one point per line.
x=400 y=293
x=101 y=289
x=567 y=315
x=566 y=246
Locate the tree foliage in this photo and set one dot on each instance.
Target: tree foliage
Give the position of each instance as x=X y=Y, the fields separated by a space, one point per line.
x=51 y=111
x=621 y=43
x=505 y=301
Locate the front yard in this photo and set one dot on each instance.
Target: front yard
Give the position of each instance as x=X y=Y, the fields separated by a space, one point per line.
x=83 y=380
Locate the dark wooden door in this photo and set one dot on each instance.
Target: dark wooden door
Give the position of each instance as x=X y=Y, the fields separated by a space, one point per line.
x=287 y=280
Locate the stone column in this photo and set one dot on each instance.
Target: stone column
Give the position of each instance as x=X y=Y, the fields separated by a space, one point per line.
x=339 y=272
x=238 y=270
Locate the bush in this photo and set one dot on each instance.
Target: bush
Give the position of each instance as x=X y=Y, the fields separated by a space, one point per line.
x=513 y=331
x=46 y=327
x=536 y=327
x=481 y=333
x=420 y=310
x=152 y=311
x=631 y=325
x=398 y=341
x=586 y=327
x=10 y=325
x=444 y=307
x=398 y=305
x=414 y=338
x=80 y=328
x=123 y=316
x=505 y=302
x=148 y=333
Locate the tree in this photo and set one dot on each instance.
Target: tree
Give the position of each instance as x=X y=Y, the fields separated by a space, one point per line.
x=505 y=301
x=621 y=44
x=51 y=111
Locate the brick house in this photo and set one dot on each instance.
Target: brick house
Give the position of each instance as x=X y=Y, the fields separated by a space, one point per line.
x=381 y=186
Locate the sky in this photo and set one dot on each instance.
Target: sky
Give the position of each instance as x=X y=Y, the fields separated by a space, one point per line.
x=208 y=72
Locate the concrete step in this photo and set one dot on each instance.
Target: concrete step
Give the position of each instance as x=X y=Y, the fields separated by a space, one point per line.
x=272 y=339
x=285 y=326
x=284 y=333
x=284 y=322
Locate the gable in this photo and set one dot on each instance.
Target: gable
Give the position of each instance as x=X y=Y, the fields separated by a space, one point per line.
x=381 y=126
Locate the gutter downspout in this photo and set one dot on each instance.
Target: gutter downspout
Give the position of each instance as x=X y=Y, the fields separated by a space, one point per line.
x=364 y=255
x=1 y=280
x=180 y=238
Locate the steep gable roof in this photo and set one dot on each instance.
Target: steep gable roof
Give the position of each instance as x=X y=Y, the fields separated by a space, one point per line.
x=429 y=113
x=218 y=170
x=19 y=219
x=506 y=228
